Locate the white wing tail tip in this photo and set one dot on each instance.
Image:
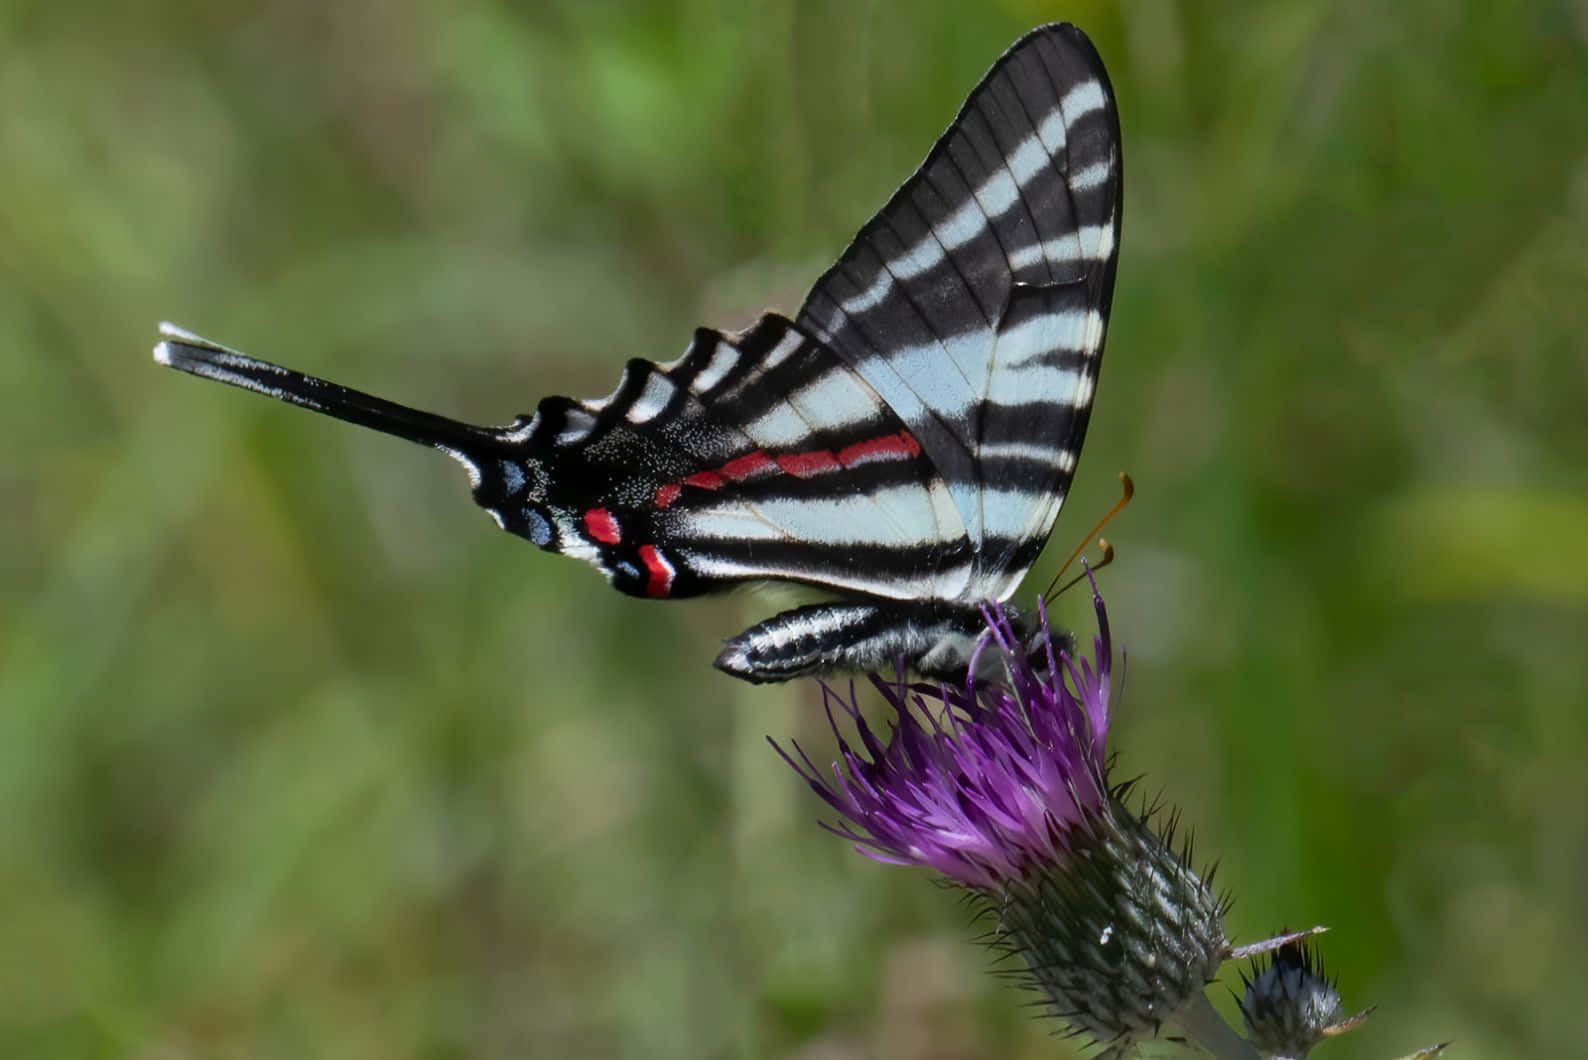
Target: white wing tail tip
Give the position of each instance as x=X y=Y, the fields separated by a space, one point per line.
x=172 y=331
x=202 y=349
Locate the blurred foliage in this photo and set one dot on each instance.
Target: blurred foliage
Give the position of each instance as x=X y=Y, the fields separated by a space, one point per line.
x=300 y=758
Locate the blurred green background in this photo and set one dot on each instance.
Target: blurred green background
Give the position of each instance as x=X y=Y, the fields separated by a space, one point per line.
x=299 y=757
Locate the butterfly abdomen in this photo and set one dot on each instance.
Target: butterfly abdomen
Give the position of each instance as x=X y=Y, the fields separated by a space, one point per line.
x=935 y=638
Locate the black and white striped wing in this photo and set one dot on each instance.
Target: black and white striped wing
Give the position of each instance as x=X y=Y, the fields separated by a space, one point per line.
x=906 y=443
x=754 y=456
x=976 y=301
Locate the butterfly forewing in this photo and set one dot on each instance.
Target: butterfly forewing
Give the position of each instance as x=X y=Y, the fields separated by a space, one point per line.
x=975 y=302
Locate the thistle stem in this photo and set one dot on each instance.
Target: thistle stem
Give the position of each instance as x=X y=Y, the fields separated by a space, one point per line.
x=1202 y=1024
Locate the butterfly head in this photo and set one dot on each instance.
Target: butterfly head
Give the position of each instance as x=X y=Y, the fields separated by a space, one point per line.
x=1028 y=635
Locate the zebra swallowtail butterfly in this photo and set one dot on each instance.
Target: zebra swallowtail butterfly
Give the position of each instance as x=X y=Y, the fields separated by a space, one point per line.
x=904 y=442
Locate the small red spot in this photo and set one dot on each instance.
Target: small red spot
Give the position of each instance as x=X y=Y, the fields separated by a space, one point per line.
x=660 y=571
x=706 y=480
x=667 y=494
x=804 y=465
x=600 y=525
x=749 y=464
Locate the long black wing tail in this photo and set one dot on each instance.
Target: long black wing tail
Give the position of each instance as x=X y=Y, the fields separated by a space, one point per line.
x=198 y=356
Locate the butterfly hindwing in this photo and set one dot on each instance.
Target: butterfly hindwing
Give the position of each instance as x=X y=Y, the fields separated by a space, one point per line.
x=752 y=457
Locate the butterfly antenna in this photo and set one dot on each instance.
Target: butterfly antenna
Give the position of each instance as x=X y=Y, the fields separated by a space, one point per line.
x=1128 y=490
x=198 y=356
x=1104 y=546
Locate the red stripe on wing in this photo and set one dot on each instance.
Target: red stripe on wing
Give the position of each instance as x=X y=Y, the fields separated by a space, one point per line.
x=888 y=447
x=804 y=465
x=706 y=480
x=747 y=466
x=900 y=446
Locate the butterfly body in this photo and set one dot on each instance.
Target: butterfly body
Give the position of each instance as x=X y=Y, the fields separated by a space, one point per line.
x=937 y=639
x=903 y=443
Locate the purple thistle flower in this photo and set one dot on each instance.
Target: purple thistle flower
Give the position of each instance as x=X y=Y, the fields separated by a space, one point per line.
x=989 y=785
x=1003 y=788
